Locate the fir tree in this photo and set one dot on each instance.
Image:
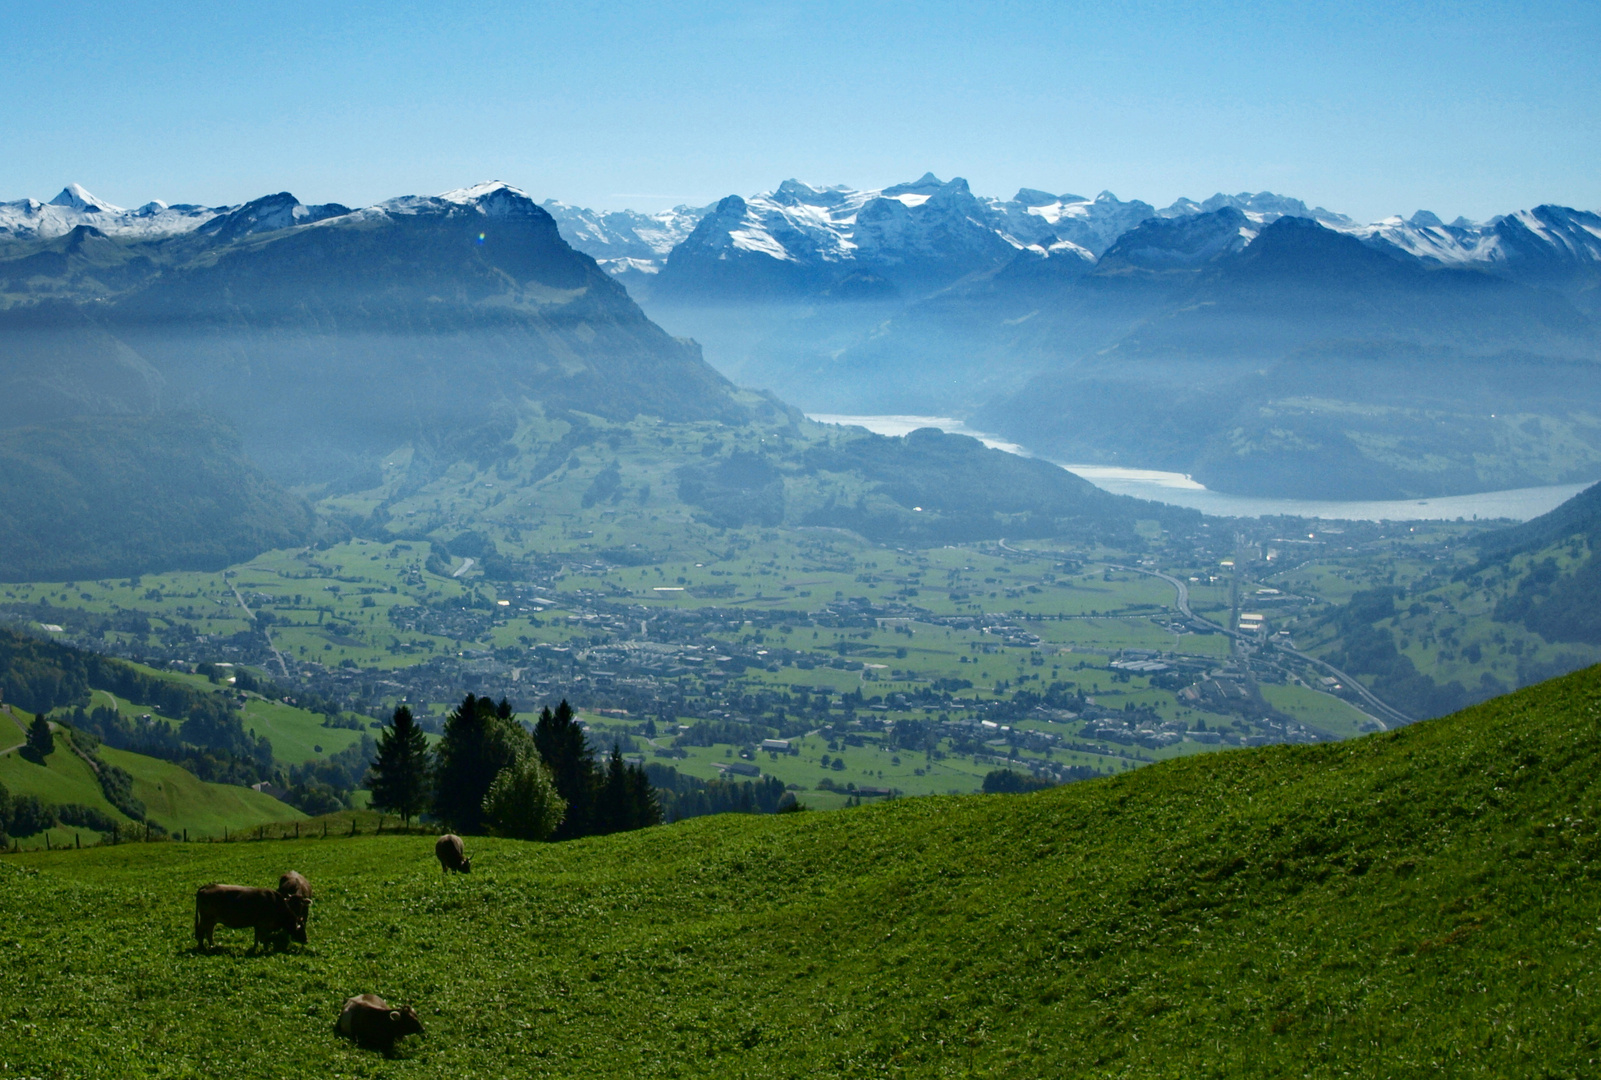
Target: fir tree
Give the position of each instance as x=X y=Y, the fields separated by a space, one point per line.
x=645 y=809
x=564 y=750
x=611 y=802
x=399 y=775
x=478 y=742
x=41 y=742
x=624 y=799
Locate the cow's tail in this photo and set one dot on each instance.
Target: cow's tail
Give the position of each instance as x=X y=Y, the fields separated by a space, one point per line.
x=199 y=936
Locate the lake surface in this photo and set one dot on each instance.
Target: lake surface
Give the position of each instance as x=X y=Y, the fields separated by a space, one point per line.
x=1177 y=489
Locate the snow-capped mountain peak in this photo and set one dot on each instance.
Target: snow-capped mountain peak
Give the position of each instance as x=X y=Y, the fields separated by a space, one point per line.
x=480 y=192
x=74 y=197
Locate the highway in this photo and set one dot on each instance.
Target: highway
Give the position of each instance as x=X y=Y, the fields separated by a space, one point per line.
x=1384 y=709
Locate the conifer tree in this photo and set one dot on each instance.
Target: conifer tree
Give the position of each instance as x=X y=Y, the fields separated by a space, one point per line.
x=645 y=808
x=624 y=798
x=41 y=742
x=612 y=800
x=564 y=750
x=399 y=775
x=478 y=742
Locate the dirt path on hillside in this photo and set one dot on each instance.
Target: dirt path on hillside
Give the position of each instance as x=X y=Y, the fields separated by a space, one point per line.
x=3 y=752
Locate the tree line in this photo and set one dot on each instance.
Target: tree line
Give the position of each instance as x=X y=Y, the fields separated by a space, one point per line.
x=489 y=773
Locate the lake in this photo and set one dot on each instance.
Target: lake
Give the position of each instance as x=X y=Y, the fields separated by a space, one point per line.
x=1177 y=489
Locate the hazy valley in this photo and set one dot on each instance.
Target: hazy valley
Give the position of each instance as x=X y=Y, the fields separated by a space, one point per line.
x=270 y=472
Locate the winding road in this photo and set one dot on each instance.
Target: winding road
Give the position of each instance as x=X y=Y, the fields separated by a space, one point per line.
x=276 y=655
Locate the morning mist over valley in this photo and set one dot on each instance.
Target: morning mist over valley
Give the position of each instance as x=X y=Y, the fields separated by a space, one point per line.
x=588 y=604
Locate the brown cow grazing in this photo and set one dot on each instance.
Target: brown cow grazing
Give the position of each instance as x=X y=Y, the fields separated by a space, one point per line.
x=369 y=1020
x=297 y=889
x=448 y=849
x=266 y=911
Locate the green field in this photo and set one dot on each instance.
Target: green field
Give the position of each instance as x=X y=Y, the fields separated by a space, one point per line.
x=174 y=798
x=11 y=732
x=63 y=778
x=178 y=801
x=296 y=735
x=1318 y=710
x=1419 y=902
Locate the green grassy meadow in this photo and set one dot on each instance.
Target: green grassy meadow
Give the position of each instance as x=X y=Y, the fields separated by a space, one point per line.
x=11 y=732
x=1409 y=903
x=173 y=797
x=178 y=800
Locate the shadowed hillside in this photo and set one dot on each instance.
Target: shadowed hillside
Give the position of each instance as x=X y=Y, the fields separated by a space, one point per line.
x=109 y=496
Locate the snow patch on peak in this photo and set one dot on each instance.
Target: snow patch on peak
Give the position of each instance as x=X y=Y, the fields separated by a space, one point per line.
x=494 y=199
x=479 y=191
x=926 y=184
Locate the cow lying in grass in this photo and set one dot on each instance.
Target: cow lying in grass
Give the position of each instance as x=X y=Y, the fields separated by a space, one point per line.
x=369 y=1020
x=266 y=911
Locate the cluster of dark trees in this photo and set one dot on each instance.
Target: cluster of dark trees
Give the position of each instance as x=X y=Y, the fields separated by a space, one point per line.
x=683 y=796
x=489 y=773
x=1013 y=782
x=211 y=742
x=23 y=815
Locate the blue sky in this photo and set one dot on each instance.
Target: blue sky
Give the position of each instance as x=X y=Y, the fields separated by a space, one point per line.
x=1371 y=109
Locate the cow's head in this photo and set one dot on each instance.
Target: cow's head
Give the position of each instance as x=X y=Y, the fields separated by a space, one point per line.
x=404 y=1021
x=466 y=864
x=291 y=919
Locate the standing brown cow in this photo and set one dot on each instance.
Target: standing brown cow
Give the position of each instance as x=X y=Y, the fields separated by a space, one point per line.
x=369 y=1020
x=297 y=890
x=266 y=911
x=448 y=849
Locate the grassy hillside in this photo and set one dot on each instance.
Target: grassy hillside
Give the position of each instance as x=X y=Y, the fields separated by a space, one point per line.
x=63 y=778
x=11 y=733
x=179 y=800
x=1417 y=901
x=173 y=797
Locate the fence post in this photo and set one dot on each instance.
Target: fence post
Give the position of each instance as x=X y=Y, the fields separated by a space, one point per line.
x=47 y=840
x=186 y=834
x=297 y=830
x=77 y=841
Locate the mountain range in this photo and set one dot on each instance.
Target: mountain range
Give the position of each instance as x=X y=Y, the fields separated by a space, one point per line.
x=917 y=232
x=1261 y=345
x=245 y=350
